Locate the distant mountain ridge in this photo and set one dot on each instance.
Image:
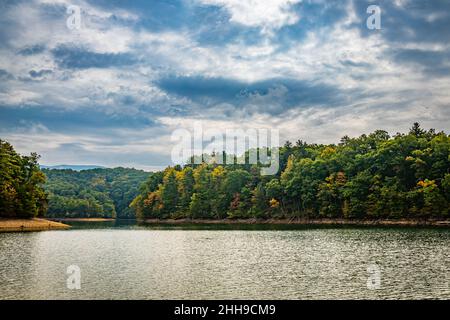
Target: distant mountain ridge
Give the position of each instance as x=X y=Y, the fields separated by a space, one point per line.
x=95 y=193
x=74 y=167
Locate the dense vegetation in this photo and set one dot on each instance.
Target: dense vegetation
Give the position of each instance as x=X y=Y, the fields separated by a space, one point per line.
x=369 y=177
x=372 y=176
x=21 y=193
x=104 y=193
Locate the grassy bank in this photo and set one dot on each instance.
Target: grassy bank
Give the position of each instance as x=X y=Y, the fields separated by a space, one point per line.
x=306 y=222
x=25 y=225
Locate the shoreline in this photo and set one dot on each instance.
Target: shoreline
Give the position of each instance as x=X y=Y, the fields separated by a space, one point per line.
x=39 y=224
x=82 y=219
x=306 y=222
x=30 y=225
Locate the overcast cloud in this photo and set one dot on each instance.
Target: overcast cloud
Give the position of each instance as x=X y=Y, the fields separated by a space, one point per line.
x=112 y=92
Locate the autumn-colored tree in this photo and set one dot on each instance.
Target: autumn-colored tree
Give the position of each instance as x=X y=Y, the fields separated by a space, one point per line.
x=371 y=176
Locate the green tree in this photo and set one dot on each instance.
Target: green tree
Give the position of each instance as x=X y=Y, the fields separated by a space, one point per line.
x=169 y=192
x=371 y=176
x=21 y=192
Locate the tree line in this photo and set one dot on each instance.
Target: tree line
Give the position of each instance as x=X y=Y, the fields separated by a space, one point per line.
x=373 y=176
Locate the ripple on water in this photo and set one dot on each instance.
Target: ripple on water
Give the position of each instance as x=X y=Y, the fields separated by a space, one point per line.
x=214 y=264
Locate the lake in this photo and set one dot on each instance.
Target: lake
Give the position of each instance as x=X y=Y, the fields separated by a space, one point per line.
x=127 y=261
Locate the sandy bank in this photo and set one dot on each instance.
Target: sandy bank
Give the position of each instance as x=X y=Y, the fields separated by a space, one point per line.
x=82 y=219
x=35 y=224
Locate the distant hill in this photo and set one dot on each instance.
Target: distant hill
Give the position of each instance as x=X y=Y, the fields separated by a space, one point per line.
x=100 y=192
x=74 y=167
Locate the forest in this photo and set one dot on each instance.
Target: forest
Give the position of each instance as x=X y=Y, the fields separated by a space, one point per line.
x=93 y=193
x=373 y=176
x=26 y=191
x=21 y=181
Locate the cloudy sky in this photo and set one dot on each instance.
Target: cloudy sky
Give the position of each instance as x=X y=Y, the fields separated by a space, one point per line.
x=113 y=91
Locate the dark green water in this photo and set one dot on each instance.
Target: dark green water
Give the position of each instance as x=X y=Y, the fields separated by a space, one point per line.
x=126 y=261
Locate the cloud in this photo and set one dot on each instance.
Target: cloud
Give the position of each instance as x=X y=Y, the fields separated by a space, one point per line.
x=113 y=91
x=40 y=73
x=410 y=21
x=32 y=50
x=267 y=15
x=5 y=75
x=434 y=63
x=272 y=96
x=75 y=121
x=76 y=58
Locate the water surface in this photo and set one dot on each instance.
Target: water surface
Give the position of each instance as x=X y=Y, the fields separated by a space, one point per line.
x=194 y=262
